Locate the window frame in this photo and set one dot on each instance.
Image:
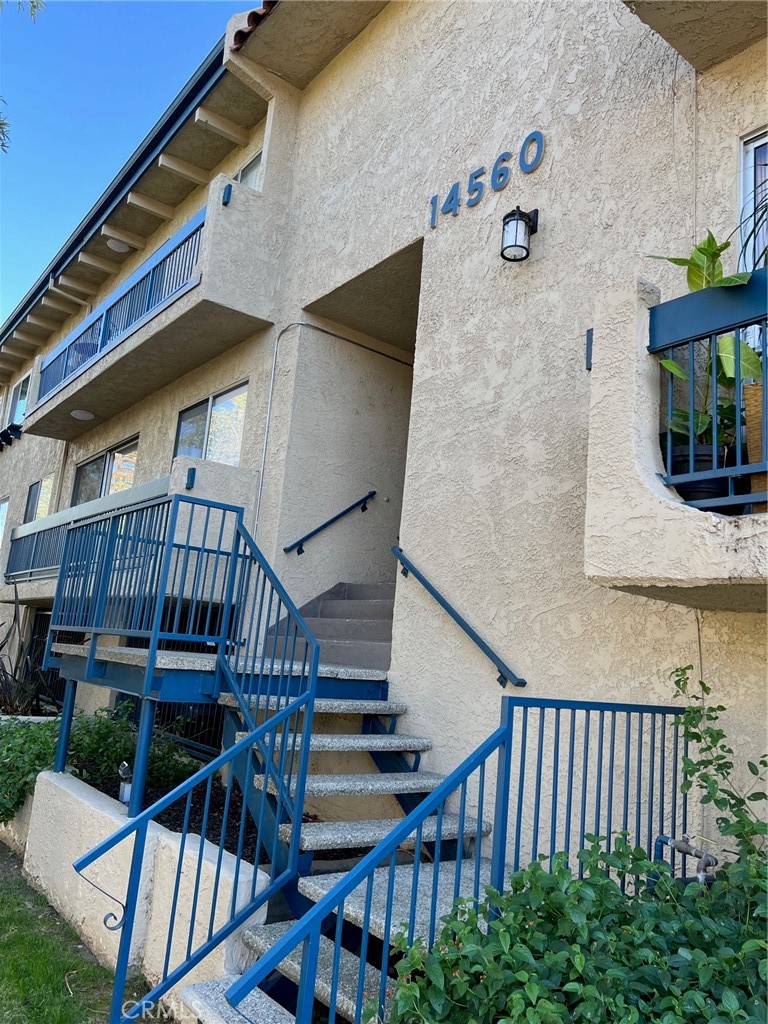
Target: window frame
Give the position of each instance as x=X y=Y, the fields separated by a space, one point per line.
x=107 y=454
x=747 y=150
x=5 y=507
x=34 y=491
x=239 y=176
x=13 y=400
x=210 y=400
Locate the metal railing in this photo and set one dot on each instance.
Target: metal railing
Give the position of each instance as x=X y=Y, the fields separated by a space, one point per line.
x=37 y=548
x=563 y=770
x=506 y=675
x=361 y=503
x=186 y=569
x=713 y=354
x=156 y=282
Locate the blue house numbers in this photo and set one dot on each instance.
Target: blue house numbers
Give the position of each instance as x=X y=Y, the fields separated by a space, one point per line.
x=529 y=158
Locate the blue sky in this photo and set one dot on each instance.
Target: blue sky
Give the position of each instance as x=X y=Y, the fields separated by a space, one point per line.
x=82 y=85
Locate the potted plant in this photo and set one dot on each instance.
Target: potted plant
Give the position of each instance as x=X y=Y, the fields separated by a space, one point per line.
x=705 y=270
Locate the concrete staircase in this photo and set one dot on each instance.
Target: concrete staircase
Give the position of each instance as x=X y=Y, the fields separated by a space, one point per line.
x=353 y=623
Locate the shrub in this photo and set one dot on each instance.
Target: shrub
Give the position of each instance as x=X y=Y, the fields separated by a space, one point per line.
x=26 y=749
x=98 y=744
x=556 y=948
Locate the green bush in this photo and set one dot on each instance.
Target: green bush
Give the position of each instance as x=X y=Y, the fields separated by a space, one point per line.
x=26 y=749
x=557 y=948
x=98 y=744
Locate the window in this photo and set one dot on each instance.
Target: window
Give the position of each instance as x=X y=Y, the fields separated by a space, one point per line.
x=250 y=175
x=39 y=499
x=3 y=516
x=213 y=429
x=754 y=204
x=18 y=403
x=108 y=473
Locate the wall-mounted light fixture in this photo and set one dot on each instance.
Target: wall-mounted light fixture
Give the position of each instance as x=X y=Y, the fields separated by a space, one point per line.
x=517 y=228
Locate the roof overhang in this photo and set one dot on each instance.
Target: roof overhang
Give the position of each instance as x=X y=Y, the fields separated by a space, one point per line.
x=705 y=32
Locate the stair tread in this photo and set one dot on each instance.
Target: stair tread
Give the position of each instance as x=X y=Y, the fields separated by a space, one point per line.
x=260 y=938
x=353 y=608
x=339 y=706
x=374 y=784
x=332 y=835
x=338 y=742
x=208 y=1002
x=314 y=887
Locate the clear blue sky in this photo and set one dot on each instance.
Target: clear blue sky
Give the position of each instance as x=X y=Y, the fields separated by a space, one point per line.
x=82 y=85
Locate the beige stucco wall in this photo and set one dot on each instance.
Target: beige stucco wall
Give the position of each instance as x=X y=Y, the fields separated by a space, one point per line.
x=495 y=485
x=641 y=157
x=348 y=435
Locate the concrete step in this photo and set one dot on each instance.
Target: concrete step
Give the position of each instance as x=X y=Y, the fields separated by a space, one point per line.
x=207 y=1001
x=357 y=654
x=375 y=784
x=368 y=591
x=354 y=741
x=260 y=938
x=346 y=629
x=314 y=887
x=329 y=706
x=343 y=608
x=345 y=835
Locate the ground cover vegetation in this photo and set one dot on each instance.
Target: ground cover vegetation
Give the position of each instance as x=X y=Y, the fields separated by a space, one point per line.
x=98 y=745
x=625 y=943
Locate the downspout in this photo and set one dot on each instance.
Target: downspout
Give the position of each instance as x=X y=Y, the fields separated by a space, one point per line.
x=330 y=334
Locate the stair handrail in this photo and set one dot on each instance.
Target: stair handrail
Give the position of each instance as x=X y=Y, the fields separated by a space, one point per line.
x=271 y=674
x=308 y=928
x=506 y=675
x=623 y=749
x=361 y=503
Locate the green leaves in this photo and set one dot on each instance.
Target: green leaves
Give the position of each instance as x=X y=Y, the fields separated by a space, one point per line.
x=705 y=266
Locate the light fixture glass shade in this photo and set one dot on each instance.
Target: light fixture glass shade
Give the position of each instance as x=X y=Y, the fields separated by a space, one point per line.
x=82 y=414
x=516 y=232
x=116 y=245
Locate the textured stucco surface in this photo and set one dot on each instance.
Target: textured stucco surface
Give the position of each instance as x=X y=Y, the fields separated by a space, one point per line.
x=507 y=433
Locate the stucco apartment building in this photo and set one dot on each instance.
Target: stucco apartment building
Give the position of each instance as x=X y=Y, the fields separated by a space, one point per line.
x=294 y=295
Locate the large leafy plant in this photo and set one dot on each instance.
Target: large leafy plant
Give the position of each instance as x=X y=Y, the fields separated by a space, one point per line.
x=705 y=270
x=558 y=948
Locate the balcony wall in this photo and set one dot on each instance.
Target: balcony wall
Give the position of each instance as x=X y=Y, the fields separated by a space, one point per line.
x=221 y=300
x=640 y=537
x=32 y=556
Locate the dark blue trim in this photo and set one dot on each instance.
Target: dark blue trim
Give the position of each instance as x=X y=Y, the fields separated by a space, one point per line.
x=506 y=675
x=709 y=311
x=361 y=503
x=590 y=336
x=207 y=76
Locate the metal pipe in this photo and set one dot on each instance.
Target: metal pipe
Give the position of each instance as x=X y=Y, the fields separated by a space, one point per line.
x=330 y=334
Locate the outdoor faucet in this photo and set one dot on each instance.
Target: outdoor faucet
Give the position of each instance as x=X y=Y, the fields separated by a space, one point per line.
x=686 y=848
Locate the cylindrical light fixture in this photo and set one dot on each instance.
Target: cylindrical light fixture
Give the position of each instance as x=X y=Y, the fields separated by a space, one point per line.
x=516 y=231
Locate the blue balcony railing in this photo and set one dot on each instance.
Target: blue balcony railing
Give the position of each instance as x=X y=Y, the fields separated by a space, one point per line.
x=160 y=280
x=712 y=349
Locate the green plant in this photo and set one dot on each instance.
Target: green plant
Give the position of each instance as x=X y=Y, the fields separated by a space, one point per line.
x=98 y=744
x=23 y=684
x=26 y=749
x=705 y=270
x=558 y=948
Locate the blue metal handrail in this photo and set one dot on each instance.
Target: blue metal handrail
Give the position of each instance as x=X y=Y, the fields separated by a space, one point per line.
x=138 y=572
x=588 y=762
x=361 y=503
x=160 y=279
x=506 y=675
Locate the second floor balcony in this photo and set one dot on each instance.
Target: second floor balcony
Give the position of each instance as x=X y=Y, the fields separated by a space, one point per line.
x=206 y=289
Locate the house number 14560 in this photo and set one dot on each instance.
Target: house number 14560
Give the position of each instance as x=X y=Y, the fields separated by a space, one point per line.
x=531 y=152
